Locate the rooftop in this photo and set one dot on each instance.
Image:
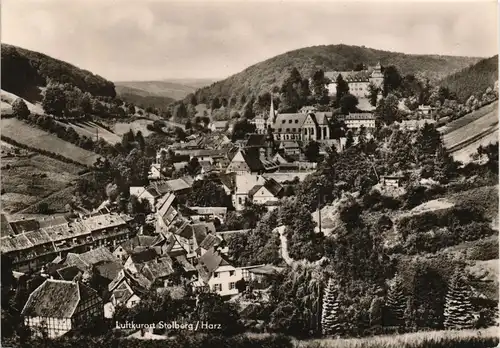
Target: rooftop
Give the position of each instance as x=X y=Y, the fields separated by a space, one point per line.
x=85 y=260
x=209 y=210
x=100 y=222
x=283 y=121
x=209 y=262
x=360 y=116
x=56 y=299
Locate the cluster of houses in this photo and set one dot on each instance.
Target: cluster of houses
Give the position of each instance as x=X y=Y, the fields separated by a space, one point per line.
x=95 y=262
x=31 y=243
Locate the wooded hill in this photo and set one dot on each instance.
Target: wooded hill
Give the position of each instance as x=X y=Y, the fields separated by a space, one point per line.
x=24 y=71
x=143 y=98
x=473 y=80
x=263 y=76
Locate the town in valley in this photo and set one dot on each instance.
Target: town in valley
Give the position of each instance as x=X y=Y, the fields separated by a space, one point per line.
x=329 y=194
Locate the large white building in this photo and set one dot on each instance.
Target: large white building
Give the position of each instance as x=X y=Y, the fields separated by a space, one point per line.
x=355 y=120
x=358 y=81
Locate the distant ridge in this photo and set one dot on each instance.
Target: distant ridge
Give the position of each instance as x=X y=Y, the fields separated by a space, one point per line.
x=263 y=76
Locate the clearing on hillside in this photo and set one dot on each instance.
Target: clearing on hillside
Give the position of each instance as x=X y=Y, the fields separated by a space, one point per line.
x=92 y=131
x=121 y=128
x=40 y=139
x=9 y=98
x=28 y=177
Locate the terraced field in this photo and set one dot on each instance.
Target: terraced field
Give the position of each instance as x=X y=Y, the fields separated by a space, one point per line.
x=463 y=136
x=42 y=140
x=92 y=130
x=28 y=178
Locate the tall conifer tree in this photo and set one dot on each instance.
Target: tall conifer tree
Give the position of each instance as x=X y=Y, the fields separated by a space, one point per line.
x=458 y=311
x=330 y=315
x=397 y=301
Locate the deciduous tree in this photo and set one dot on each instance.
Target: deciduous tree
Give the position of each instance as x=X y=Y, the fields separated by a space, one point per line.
x=20 y=109
x=342 y=88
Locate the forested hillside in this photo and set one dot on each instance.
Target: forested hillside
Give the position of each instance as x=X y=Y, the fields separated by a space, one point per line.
x=143 y=98
x=473 y=80
x=264 y=76
x=24 y=71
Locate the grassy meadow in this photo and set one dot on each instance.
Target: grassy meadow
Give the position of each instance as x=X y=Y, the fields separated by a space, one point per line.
x=28 y=135
x=28 y=179
x=486 y=338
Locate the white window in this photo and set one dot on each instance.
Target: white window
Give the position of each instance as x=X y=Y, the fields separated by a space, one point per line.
x=232 y=286
x=217 y=287
x=216 y=275
x=231 y=273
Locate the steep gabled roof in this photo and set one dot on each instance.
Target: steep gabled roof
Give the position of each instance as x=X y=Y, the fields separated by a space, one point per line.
x=158 y=268
x=186 y=265
x=122 y=293
x=273 y=186
x=89 y=258
x=56 y=299
x=210 y=241
x=140 y=240
x=144 y=256
x=212 y=260
x=254 y=190
x=322 y=117
x=68 y=273
x=293 y=120
x=229 y=180
x=108 y=269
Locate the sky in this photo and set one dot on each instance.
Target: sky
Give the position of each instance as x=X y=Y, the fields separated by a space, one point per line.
x=154 y=40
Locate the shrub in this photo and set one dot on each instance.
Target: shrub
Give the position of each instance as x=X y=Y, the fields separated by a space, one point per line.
x=484 y=250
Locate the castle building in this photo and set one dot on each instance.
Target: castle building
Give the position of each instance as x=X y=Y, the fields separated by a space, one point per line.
x=358 y=81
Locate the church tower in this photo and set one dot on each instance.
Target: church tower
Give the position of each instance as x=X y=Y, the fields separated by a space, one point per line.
x=272 y=115
x=270 y=144
x=377 y=77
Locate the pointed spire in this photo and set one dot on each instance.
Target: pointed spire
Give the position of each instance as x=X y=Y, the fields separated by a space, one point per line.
x=271 y=110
